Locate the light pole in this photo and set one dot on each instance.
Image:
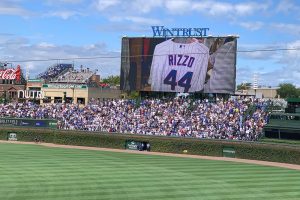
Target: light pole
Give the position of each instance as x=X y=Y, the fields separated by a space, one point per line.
x=255 y=82
x=73 y=88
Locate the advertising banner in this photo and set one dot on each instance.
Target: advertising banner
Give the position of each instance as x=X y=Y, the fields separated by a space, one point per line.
x=64 y=86
x=31 y=94
x=229 y=152
x=43 y=123
x=12 y=137
x=187 y=64
x=136 y=145
x=132 y=145
x=11 y=74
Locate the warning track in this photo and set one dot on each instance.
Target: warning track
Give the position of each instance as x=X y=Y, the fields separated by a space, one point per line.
x=257 y=162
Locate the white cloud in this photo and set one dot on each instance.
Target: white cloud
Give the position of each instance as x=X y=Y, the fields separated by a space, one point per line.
x=140 y=12
x=147 y=6
x=287 y=63
x=257 y=55
x=123 y=28
x=60 y=2
x=270 y=78
x=17 y=49
x=12 y=8
x=143 y=20
x=286 y=28
x=69 y=1
x=46 y=45
x=215 y=8
x=252 y=26
x=105 y=4
x=250 y=8
x=178 y=6
x=258 y=51
x=287 y=6
x=292 y=56
x=219 y=8
x=245 y=74
x=127 y=6
x=64 y=14
x=135 y=19
x=283 y=75
x=28 y=66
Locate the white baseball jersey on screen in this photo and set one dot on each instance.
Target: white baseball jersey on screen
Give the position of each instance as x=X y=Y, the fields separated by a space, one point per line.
x=178 y=67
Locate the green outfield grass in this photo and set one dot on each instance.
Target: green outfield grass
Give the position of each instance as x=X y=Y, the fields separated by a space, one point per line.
x=36 y=173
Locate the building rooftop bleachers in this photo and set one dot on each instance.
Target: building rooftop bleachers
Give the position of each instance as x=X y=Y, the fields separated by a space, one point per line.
x=53 y=71
x=74 y=76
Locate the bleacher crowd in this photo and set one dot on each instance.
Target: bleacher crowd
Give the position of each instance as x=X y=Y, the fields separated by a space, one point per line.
x=172 y=117
x=73 y=76
x=54 y=71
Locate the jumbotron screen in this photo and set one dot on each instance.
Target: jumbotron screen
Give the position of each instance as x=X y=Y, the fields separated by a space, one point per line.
x=186 y=65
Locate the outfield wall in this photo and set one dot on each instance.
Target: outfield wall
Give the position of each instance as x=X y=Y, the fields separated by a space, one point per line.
x=245 y=150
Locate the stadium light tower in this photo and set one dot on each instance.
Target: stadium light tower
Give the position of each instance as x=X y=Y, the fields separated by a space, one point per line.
x=255 y=82
x=26 y=73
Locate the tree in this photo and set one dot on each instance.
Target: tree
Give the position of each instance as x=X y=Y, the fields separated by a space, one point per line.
x=112 y=80
x=287 y=90
x=244 y=86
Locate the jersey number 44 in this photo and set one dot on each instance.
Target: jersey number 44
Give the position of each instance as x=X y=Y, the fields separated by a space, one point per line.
x=184 y=81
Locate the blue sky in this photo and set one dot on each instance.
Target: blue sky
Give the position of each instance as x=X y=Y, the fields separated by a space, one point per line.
x=57 y=29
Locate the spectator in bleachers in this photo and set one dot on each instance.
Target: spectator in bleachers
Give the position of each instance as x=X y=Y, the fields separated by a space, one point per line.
x=54 y=71
x=173 y=117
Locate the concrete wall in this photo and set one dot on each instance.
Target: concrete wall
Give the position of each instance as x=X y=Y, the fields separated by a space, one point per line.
x=70 y=92
x=86 y=93
x=264 y=92
x=104 y=93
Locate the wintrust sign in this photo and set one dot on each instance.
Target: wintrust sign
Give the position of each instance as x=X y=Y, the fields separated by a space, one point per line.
x=30 y=94
x=161 y=31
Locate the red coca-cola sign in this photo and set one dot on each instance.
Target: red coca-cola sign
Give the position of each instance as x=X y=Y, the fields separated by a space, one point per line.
x=11 y=74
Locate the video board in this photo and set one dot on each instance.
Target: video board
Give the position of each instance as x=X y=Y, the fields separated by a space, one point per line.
x=187 y=64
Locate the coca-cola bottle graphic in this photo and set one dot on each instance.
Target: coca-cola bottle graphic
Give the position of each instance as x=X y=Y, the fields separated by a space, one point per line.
x=18 y=73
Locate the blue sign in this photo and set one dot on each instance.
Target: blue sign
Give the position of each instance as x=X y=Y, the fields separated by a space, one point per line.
x=161 y=31
x=28 y=122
